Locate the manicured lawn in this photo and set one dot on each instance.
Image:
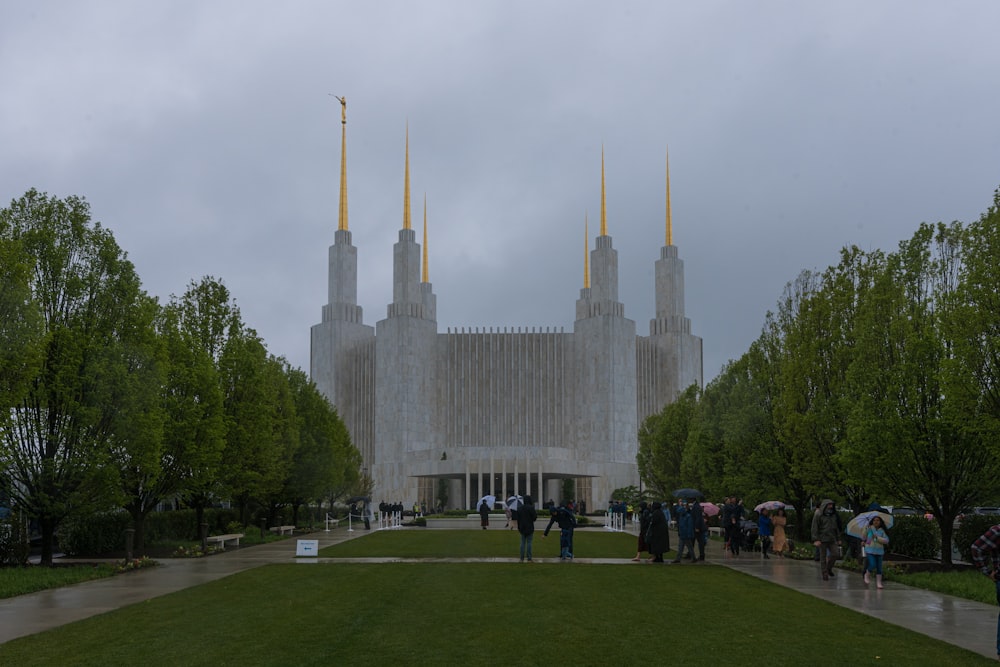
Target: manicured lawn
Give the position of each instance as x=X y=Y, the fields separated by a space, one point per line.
x=22 y=580
x=482 y=614
x=420 y=543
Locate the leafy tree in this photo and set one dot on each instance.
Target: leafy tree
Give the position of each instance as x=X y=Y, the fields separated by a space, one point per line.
x=197 y=326
x=325 y=457
x=905 y=423
x=55 y=446
x=662 y=439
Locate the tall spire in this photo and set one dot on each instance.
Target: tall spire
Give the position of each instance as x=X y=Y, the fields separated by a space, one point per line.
x=342 y=213
x=670 y=226
x=425 y=273
x=406 y=184
x=586 y=252
x=604 y=206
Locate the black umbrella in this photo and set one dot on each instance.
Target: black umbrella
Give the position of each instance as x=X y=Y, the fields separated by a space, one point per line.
x=688 y=493
x=357 y=499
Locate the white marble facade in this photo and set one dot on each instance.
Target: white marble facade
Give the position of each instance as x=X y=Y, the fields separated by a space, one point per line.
x=501 y=411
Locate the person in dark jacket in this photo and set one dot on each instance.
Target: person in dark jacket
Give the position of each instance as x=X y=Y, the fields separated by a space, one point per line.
x=658 y=533
x=732 y=514
x=567 y=522
x=700 y=528
x=525 y=516
x=826 y=536
x=484 y=514
x=641 y=544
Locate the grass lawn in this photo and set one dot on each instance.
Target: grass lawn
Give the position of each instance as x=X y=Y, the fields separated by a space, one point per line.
x=22 y=580
x=482 y=614
x=418 y=543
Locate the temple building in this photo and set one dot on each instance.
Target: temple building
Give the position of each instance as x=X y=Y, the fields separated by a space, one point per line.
x=498 y=411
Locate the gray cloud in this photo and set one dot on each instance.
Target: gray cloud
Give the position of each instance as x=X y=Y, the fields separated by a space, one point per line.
x=204 y=137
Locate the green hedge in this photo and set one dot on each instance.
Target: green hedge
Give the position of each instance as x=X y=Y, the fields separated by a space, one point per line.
x=915 y=536
x=102 y=533
x=14 y=545
x=969 y=530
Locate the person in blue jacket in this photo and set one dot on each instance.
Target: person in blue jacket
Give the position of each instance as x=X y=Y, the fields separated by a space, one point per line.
x=685 y=530
x=765 y=528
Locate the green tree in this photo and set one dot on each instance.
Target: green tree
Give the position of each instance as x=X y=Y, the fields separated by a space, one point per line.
x=662 y=440
x=325 y=458
x=905 y=424
x=197 y=326
x=55 y=445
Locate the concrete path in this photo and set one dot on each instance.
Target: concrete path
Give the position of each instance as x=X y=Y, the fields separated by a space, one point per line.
x=971 y=625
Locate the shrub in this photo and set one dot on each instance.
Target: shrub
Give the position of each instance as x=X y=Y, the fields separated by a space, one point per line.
x=972 y=526
x=914 y=536
x=94 y=534
x=14 y=545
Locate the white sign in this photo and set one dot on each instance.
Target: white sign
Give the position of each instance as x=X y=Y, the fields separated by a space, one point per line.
x=307 y=548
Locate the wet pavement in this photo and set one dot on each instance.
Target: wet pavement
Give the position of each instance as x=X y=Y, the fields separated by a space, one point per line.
x=971 y=625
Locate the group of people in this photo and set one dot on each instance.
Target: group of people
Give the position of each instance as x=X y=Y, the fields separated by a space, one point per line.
x=524 y=516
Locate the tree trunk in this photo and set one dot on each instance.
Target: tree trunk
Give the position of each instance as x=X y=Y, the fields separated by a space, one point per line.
x=48 y=526
x=947 y=527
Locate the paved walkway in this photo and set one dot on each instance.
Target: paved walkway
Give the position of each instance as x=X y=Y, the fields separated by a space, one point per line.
x=971 y=625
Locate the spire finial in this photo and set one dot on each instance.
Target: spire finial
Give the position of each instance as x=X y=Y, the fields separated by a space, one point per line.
x=670 y=224
x=604 y=206
x=426 y=273
x=406 y=183
x=586 y=251
x=342 y=212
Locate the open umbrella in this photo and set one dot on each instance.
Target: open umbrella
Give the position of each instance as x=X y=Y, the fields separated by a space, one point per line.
x=710 y=509
x=688 y=493
x=857 y=526
x=489 y=500
x=769 y=505
x=514 y=502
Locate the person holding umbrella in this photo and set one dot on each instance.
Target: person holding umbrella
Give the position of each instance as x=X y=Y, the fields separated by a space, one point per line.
x=988 y=546
x=484 y=514
x=874 y=544
x=779 y=521
x=764 y=526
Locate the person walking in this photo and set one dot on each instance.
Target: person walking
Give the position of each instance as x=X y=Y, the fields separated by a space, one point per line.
x=700 y=528
x=525 y=516
x=987 y=547
x=484 y=514
x=685 y=532
x=874 y=547
x=826 y=536
x=778 y=522
x=732 y=514
x=658 y=534
x=641 y=544
x=764 y=530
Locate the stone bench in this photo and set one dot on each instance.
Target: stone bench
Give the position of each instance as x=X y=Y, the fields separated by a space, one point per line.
x=281 y=530
x=221 y=540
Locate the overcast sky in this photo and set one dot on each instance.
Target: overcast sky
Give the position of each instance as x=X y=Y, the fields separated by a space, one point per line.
x=204 y=136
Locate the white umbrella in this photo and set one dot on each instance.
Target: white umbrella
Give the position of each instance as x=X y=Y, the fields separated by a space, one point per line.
x=857 y=526
x=514 y=502
x=489 y=500
x=769 y=505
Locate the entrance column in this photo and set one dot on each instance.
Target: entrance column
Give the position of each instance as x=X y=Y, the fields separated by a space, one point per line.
x=540 y=476
x=468 y=486
x=503 y=484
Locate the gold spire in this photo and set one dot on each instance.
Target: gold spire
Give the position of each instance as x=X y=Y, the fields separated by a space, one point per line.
x=586 y=252
x=406 y=184
x=670 y=227
x=604 y=206
x=425 y=272
x=342 y=213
